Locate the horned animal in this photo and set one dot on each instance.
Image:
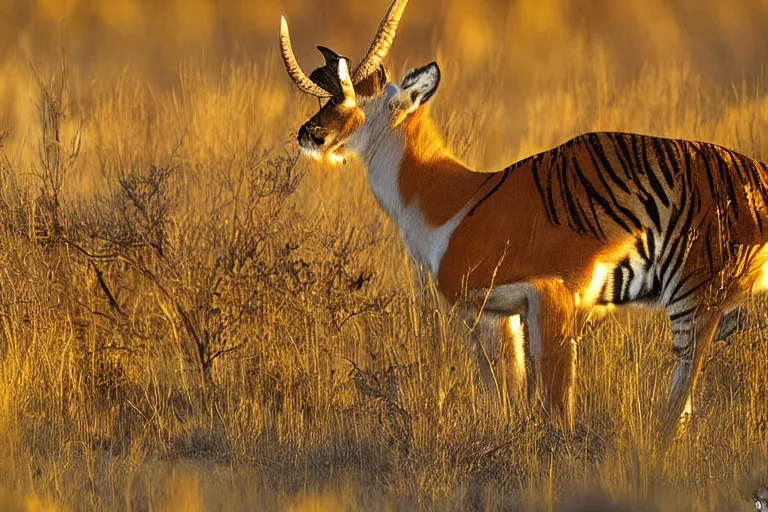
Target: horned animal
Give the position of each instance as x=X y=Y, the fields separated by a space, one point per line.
x=604 y=219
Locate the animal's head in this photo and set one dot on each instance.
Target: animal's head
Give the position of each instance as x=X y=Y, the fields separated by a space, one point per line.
x=353 y=96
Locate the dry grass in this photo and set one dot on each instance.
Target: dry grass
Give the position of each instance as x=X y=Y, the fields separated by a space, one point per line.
x=194 y=319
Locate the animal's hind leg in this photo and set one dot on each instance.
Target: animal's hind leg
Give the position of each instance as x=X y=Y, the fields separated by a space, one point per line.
x=691 y=335
x=733 y=320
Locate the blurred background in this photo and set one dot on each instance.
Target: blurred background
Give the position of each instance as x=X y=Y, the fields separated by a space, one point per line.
x=509 y=54
x=721 y=39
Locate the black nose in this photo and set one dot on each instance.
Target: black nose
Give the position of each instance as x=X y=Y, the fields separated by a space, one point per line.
x=317 y=139
x=312 y=133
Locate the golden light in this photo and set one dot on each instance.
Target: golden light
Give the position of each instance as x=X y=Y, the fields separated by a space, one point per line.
x=514 y=326
x=764 y=276
x=592 y=292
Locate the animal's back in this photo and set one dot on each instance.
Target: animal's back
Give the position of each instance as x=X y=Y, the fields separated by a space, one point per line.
x=639 y=181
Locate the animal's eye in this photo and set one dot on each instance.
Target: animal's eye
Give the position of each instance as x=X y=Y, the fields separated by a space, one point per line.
x=414 y=96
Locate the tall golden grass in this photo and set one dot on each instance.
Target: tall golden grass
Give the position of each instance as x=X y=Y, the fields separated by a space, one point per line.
x=193 y=318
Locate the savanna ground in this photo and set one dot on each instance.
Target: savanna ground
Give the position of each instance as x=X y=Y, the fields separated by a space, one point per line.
x=193 y=318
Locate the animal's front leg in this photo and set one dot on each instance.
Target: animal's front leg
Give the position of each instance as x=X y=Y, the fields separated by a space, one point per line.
x=553 y=315
x=550 y=316
x=498 y=344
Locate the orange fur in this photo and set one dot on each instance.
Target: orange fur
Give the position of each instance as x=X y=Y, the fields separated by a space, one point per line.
x=430 y=175
x=507 y=237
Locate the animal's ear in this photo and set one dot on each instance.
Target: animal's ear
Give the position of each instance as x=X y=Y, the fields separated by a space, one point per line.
x=330 y=56
x=418 y=86
x=373 y=84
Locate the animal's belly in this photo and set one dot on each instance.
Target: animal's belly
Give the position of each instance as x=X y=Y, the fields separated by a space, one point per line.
x=597 y=274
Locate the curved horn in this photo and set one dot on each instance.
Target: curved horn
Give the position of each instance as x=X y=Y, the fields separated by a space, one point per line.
x=292 y=66
x=381 y=42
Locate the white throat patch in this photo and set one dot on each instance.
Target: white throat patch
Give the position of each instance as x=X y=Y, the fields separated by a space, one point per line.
x=381 y=149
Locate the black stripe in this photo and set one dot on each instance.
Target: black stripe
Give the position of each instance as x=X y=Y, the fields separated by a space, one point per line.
x=607 y=207
x=653 y=212
x=601 y=234
x=655 y=290
x=586 y=219
x=684 y=295
x=626 y=263
x=628 y=169
x=651 y=241
x=551 y=199
x=545 y=199
x=726 y=177
x=661 y=157
x=591 y=201
x=605 y=184
x=618 y=281
x=598 y=147
x=574 y=222
x=674 y=161
x=650 y=205
x=638 y=167
x=640 y=248
x=710 y=176
x=684 y=233
x=622 y=155
x=603 y=181
x=678 y=316
x=676 y=214
x=671 y=255
x=491 y=192
x=653 y=180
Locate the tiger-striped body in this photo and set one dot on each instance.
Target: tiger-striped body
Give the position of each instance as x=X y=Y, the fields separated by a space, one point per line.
x=643 y=210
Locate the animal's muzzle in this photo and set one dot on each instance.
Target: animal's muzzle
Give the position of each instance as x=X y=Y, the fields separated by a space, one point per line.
x=310 y=137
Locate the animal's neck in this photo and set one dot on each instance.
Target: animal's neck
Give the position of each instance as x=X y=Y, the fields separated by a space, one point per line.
x=430 y=175
x=418 y=182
